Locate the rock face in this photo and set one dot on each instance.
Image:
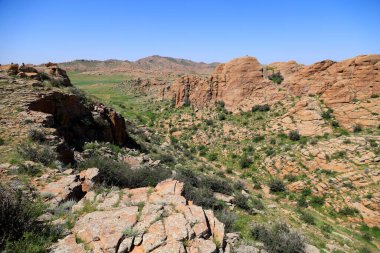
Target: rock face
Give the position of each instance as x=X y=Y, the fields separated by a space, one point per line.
x=145 y=220
x=233 y=83
x=78 y=124
x=350 y=87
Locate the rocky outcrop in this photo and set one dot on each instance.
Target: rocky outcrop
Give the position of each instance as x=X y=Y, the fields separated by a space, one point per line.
x=145 y=220
x=350 y=87
x=239 y=83
x=49 y=71
x=78 y=124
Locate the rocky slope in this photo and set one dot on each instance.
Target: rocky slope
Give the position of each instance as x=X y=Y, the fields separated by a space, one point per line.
x=42 y=103
x=350 y=88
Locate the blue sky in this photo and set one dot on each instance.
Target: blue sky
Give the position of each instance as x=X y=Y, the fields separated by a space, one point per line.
x=306 y=31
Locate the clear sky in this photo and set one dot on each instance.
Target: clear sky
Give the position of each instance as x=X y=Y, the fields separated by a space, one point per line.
x=201 y=30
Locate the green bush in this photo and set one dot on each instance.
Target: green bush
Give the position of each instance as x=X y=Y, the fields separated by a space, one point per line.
x=200 y=188
x=227 y=218
x=261 y=108
x=294 y=135
x=212 y=157
x=241 y=202
x=21 y=231
x=307 y=218
x=276 y=185
x=278 y=238
x=37 y=153
x=348 y=211
x=222 y=116
x=327 y=114
x=258 y=138
x=117 y=173
x=245 y=161
x=317 y=200
x=302 y=202
x=276 y=78
x=1 y=141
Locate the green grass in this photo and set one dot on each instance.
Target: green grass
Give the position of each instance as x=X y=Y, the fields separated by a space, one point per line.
x=108 y=89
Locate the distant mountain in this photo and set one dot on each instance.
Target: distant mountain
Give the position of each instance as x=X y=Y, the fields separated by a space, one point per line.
x=149 y=65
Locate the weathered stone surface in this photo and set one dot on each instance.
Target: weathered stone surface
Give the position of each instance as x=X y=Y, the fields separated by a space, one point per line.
x=161 y=225
x=68 y=245
x=103 y=229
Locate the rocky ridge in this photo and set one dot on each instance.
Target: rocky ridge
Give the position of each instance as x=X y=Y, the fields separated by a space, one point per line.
x=350 y=88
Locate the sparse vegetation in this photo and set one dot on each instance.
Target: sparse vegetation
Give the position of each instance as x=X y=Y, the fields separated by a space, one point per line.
x=276 y=78
x=37 y=153
x=276 y=185
x=261 y=108
x=119 y=174
x=294 y=135
x=278 y=238
x=21 y=231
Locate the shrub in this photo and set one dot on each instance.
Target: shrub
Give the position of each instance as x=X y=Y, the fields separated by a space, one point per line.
x=326 y=228
x=212 y=157
x=199 y=188
x=227 y=218
x=276 y=185
x=327 y=114
x=37 y=153
x=335 y=124
x=116 y=173
x=222 y=116
x=241 y=202
x=37 y=135
x=348 y=211
x=261 y=108
x=302 y=202
x=220 y=104
x=278 y=238
x=258 y=138
x=1 y=141
x=209 y=122
x=317 y=200
x=294 y=135
x=239 y=185
x=306 y=191
x=276 y=78
x=217 y=184
x=245 y=161
x=290 y=177
x=29 y=169
x=21 y=231
x=374 y=95
x=357 y=128
x=307 y=218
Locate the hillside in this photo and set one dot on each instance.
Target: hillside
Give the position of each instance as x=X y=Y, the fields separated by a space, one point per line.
x=230 y=162
x=152 y=66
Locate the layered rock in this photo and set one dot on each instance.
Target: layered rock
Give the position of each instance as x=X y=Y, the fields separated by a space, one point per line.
x=145 y=220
